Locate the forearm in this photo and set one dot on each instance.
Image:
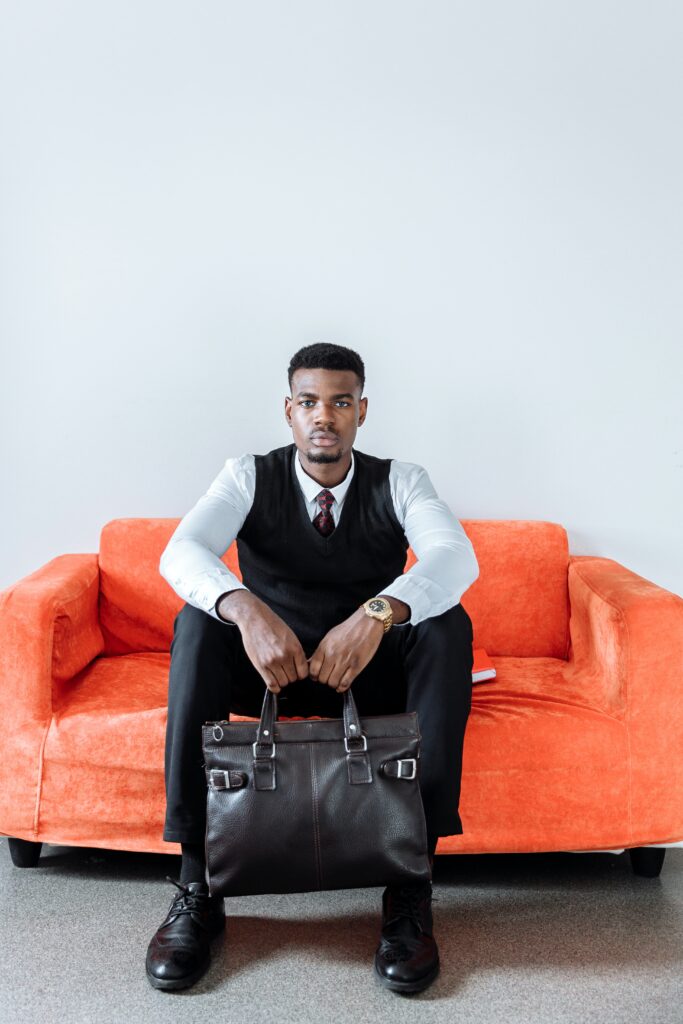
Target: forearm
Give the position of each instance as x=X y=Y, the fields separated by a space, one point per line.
x=238 y=606
x=399 y=609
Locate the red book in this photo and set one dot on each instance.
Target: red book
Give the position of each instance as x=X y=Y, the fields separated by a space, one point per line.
x=483 y=667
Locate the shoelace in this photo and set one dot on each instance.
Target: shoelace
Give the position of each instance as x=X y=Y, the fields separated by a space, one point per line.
x=186 y=902
x=406 y=902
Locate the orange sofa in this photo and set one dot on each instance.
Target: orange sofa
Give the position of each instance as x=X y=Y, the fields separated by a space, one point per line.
x=577 y=744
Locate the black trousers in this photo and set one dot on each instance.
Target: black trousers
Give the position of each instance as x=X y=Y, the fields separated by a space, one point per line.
x=425 y=668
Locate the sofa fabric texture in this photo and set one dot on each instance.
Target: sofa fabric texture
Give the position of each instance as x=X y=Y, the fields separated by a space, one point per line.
x=576 y=744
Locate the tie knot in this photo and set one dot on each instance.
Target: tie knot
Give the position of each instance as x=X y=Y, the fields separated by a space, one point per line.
x=325 y=499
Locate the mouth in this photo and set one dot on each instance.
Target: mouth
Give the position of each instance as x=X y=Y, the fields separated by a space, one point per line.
x=324 y=440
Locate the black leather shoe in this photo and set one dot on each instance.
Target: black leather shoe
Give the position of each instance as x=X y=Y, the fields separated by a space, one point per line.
x=407 y=958
x=179 y=952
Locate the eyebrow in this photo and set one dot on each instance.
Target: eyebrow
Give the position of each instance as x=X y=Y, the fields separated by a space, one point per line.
x=312 y=394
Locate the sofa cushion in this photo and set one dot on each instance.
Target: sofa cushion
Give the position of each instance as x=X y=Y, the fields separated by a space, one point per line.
x=137 y=606
x=519 y=605
x=542 y=761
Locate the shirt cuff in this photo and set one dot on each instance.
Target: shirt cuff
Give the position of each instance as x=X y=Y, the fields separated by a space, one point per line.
x=413 y=593
x=213 y=588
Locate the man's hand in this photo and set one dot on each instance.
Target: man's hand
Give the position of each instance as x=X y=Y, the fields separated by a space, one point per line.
x=345 y=651
x=272 y=647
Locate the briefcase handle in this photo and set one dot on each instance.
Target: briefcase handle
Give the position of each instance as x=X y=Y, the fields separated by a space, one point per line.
x=265 y=736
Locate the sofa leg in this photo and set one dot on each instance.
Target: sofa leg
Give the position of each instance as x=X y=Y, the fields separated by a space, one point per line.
x=647 y=860
x=24 y=853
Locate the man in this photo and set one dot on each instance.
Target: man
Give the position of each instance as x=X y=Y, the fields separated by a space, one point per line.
x=322 y=533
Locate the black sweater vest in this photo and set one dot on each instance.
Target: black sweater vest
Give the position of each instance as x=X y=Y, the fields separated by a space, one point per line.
x=313 y=582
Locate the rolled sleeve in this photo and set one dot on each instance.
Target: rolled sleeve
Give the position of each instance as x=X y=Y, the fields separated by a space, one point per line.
x=446 y=564
x=191 y=562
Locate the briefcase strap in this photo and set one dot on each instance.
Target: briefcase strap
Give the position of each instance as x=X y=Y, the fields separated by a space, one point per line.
x=399 y=768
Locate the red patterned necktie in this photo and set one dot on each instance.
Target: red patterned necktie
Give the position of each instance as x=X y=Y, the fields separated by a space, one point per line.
x=324 y=522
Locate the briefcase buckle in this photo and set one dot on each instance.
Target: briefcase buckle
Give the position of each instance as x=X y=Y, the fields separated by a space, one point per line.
x=406 y=760
x=220 y=779
x=362 y=737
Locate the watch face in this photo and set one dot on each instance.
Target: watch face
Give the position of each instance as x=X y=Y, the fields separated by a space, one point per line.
x=377 y=605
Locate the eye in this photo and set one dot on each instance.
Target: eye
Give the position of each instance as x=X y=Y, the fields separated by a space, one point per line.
x=304 y=401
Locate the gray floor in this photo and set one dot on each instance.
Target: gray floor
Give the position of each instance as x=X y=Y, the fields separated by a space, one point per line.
x=523 y=938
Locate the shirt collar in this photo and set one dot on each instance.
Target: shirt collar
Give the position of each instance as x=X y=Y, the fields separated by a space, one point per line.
x=312 y=488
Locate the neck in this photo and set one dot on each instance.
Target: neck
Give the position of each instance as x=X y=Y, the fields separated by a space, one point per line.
x=326 y=474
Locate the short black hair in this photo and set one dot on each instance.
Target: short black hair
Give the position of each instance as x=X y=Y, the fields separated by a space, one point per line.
x=326 y=356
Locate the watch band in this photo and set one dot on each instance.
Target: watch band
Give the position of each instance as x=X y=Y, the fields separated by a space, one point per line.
x=386 y=620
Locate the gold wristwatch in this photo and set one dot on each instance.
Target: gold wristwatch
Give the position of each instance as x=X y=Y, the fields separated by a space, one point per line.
x=379 y=608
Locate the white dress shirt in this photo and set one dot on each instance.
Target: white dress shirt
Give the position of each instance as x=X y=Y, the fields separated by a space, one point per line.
x=191 y=562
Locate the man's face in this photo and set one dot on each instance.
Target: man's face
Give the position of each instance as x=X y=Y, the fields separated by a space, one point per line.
x=325 y=402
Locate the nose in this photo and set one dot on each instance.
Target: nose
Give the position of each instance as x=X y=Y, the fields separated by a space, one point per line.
x=324 y=420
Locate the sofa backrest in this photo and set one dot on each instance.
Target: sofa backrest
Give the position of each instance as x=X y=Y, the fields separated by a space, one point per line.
x=519 y=605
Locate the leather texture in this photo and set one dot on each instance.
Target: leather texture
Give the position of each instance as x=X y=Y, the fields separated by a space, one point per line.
x=179 y=952
x=407 y=958
x=297 y=806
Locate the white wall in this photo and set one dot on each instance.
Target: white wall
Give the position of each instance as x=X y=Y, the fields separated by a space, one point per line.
x=483 y=199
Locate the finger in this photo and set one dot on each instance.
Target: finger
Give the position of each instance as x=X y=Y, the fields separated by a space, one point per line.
x=315 y=664
x=301 y=665
x=334 y=676
x=345 y=681
x=278 y=670
x=270 y=681
x=326 y=666
x=292 y=670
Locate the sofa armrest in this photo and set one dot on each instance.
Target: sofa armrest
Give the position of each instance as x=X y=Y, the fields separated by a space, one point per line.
x=626 y=642
x=49 y=631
